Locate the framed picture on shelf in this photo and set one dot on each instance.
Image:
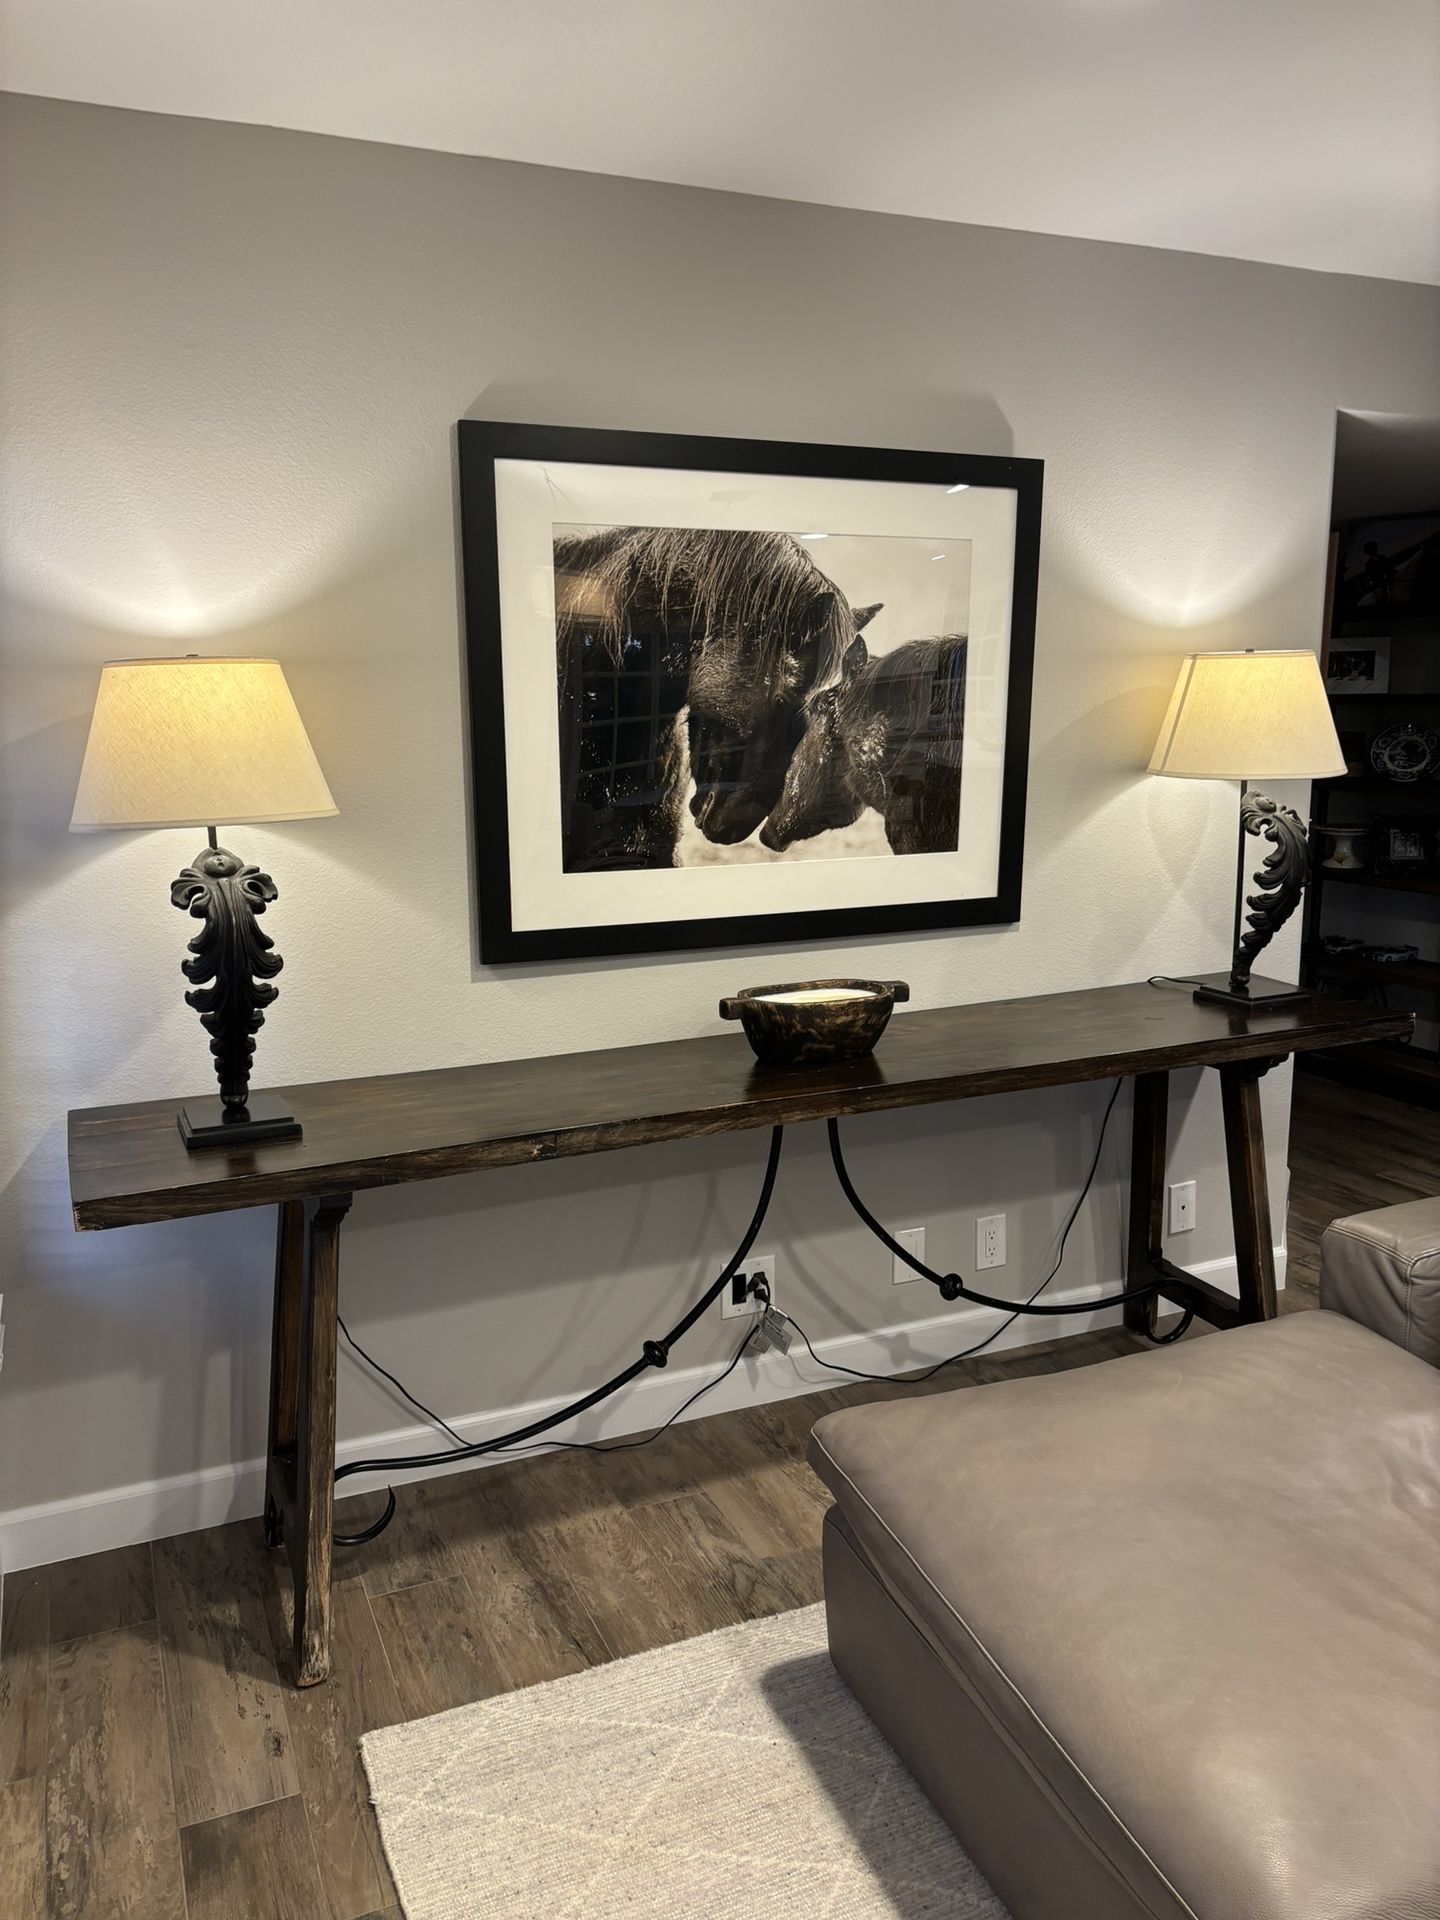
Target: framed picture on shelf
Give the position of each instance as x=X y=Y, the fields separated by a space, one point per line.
x=729 y=692
x=1389 y=571
x=1403 y=843
x=1357 y=666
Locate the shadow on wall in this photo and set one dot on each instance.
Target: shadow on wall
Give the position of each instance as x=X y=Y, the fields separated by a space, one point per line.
x=936 y=416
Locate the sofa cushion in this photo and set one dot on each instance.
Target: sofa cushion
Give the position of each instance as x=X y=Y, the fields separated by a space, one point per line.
x=1199 y=1591
x=1383 y=1269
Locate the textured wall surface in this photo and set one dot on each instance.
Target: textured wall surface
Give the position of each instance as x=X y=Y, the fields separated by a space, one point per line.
x=232 y=358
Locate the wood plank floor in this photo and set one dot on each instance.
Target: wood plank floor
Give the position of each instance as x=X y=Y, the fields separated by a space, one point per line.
x=155 y=1762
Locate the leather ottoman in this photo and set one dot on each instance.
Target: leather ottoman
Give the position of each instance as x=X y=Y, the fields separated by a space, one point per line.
x=1161 y=1636
x=1383 y=1269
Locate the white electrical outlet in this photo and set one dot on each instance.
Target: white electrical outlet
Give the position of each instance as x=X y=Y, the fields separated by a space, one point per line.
x=913 y=1241
x=747 y=1305
x=1182 y=1206
x=990 y=1240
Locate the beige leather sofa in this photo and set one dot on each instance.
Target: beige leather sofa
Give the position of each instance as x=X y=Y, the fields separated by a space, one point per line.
x=1161 y=1636
x=1383 y=1269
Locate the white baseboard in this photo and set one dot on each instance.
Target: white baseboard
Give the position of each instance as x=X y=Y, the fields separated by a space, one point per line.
x=208 y=1497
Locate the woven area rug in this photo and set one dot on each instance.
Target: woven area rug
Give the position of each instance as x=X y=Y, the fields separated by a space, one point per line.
x=727 y=1778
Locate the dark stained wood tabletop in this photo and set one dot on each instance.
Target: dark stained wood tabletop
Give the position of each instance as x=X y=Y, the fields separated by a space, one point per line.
x=128 y=1164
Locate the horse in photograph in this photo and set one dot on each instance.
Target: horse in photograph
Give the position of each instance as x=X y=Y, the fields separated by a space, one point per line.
x=891 y=736
x=732 y=629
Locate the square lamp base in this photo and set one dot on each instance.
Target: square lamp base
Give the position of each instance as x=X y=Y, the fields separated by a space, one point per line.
x=203 y=1124
x=1261 y=996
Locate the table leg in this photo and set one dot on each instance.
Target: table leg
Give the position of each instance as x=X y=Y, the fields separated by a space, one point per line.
x=300 y=1498
x=284 y=1365
x=1249 y=1188
x=1147 y=1193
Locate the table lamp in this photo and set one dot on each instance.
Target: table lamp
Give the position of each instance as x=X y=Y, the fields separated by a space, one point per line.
x=1251 y=716
x=204 y=743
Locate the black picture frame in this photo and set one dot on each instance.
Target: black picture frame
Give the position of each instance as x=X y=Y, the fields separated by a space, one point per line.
x=480 y=444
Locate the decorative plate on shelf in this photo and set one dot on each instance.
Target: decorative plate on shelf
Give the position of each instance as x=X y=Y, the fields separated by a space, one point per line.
x=1406 y=751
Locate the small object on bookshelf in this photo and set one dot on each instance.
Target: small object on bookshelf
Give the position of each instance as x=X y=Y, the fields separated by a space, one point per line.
x=1344 y=851
x=1403 y=844
x=1357 y=666
x=1392 y=956
x=1406 y=752
x=1338 y=945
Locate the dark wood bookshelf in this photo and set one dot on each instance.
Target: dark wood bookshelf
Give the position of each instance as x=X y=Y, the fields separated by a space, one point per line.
x=1380 y=699
x=1378 y=905
x=1428 y=883
x=1369 y=783
x=1424 y=975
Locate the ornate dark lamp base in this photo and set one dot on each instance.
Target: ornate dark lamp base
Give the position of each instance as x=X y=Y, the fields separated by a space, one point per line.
x=231 y=967
x=1256 y=996
x=208 y=1123
x=1279 y=883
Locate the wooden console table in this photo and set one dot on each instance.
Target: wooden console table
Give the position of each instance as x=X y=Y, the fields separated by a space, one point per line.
x=128 y=1165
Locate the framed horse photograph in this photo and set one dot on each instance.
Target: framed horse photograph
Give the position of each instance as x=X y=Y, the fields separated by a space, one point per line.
x=737 y=692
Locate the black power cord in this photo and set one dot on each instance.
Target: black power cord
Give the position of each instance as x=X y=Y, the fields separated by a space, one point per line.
x=644 y=1439
x=656 y=1353
x=570 y=1446
x=1016 y=1307
x=1177 y=1332
x=950 y=1285
x=400 y=1387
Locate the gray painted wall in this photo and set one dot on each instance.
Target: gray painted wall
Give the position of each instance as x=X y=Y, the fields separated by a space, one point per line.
x=232 y=358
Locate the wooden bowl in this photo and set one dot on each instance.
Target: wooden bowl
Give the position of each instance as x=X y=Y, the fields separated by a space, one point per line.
x=811 y=1021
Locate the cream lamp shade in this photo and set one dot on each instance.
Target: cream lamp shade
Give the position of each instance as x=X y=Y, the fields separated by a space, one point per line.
x=197 y=743
x=1248 y=716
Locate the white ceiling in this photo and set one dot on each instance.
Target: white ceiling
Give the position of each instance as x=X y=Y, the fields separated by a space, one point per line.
x=1300 y=131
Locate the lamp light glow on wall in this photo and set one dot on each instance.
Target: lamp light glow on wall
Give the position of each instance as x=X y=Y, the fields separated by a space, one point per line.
x=206 y=743
x=1253 y=716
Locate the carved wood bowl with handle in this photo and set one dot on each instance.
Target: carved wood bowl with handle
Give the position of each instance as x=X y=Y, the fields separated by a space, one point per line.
x=810 y=1022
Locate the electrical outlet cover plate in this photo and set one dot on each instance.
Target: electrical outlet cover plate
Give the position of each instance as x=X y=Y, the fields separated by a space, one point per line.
x=757 y=1263
x=990 y=1240
x=1182 y=1206
x=913 y=1239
